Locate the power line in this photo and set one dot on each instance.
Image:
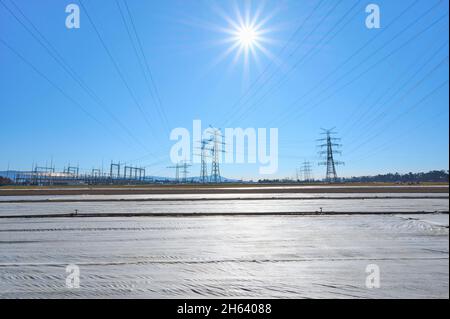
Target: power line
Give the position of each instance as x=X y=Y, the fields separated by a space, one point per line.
x=350 y=124
x=415 y=36
x=303 y=58
x=355 y=53
x=267 y=81
x=119 y=72
x=53 y=52
x=383 y=129
x=59 y=89
x=159 y=104
x=268 y=66
x=393 y=139
x=143 y=69
x=377 y=119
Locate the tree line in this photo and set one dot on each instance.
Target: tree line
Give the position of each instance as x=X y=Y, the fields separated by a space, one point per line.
x=5 y=181
x=432 y=176
x=435 y=176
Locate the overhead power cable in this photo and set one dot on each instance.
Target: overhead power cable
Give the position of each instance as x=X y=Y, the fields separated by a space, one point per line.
x=53 y=52
x=119 y=72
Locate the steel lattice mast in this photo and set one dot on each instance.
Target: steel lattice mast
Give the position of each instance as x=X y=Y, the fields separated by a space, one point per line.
x=331 y=146
x=204 y=165
x=185 y=165
x=177 y=171
x=216 y=151
x=306 y=171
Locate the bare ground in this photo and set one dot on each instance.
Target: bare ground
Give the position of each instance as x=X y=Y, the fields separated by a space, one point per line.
x=223 y=189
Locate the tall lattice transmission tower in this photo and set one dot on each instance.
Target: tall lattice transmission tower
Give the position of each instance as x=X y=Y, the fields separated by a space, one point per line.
x=216 y=151
x=177 y=171
x=329 y=142
x=306 y=171
x=185 y=171
x=184 y=166
x=203 y=163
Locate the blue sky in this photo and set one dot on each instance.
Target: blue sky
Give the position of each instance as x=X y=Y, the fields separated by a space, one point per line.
x=385 y=90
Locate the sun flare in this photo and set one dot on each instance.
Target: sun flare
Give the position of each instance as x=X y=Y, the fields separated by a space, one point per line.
x=247 y=36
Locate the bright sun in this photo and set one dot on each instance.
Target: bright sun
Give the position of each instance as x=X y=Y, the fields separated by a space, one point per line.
x=247 y=36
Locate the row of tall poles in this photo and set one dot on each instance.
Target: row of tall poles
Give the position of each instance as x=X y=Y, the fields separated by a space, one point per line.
x=181 y=170
x=211 y=148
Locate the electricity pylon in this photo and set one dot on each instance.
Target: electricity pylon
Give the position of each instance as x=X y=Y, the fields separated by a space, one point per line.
x=306 y=171
x=203 y=155
x=331 y=175
x=215 y=155
x=177 y=171
x=185 y=171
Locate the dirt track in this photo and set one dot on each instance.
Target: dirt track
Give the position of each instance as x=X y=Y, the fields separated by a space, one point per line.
x=224 y=189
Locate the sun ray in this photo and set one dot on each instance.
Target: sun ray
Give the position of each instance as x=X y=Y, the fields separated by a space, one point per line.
x=238 y=54
x=257 y=14
x=247 y=34
x=225 y=54
x=240 y=19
